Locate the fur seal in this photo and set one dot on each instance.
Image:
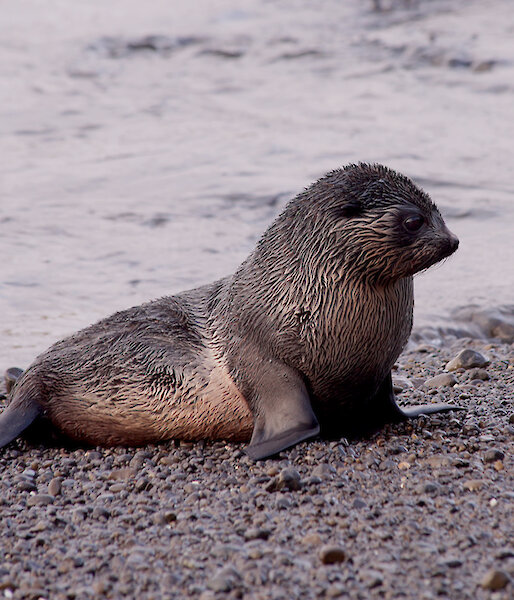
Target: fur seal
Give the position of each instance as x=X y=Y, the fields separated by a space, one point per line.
x=300 y=340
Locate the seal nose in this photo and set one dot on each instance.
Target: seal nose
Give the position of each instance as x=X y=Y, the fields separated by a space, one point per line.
x=453 y=242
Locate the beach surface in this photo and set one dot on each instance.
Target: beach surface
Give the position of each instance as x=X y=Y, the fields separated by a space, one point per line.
x=419 y=511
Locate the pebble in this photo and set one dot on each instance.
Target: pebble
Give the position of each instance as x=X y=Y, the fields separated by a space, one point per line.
x=288 y=479
x=495 y=580
x=335 y=591
x=467 y=359
x=492 y=455
x=225 y=580
x=330 y=555
x=27 y=486
x=256 y=534
x=401 y=383
x=39 y=500
x=473 y=485
x=442 y=380
x=430 y=487
x=371 y=578
x=54 y=487
x=478 y=375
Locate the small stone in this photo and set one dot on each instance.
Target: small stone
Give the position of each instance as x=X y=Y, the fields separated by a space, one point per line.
x=495 y=580
x=460 y=463
x=283 y=503
x=39 y=500
x=473 y=485
x=359 y=503
x=371 y=578
x=479 y=375
x=442 y=380
x=467 y=359
x=288 y=479
x=312 y=539
x=400 y=384
x=255 y=533
x=54 y=487
x=225 y=580
x=335 y=590
x=119 y=474
x=323 y=471
x=453 y=563
x=143 y=484
x=27 y=486
x=330 y=555
x=117 y=487
x=101 y=512
x=431 y=487
x=493 y=454
x=511 y=419
x=40 y=526
x=403 y=465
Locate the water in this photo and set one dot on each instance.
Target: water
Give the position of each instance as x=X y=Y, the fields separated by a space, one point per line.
x=136 y=166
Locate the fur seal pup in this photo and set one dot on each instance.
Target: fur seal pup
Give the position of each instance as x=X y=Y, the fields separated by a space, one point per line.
x=301 y=339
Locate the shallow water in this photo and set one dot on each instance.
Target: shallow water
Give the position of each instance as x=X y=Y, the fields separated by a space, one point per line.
x=144 y=149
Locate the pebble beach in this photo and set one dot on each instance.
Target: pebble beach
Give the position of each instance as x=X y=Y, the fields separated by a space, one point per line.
x=420 y=510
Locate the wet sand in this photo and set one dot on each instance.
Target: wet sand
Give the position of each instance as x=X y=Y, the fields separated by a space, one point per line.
x=418 y=511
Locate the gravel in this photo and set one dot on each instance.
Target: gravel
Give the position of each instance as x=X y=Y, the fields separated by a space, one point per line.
x=420 y=510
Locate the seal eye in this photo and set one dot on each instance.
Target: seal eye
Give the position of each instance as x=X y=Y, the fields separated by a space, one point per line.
x=414 y=223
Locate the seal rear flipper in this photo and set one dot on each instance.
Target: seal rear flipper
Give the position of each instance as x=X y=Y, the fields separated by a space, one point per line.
x=15 y=419
x=386 y=408
x=411 y=412
x=283 y=415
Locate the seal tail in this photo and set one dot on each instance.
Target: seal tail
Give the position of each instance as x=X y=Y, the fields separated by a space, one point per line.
x=21 y=411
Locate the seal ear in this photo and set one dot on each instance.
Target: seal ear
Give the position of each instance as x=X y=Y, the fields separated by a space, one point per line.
x=283 y=415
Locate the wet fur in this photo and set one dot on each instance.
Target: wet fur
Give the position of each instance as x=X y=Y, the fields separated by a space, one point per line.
x=303 y=336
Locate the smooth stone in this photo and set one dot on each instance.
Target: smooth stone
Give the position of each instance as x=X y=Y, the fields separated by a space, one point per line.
x=479 y=375
x=330 y=555
x=442 y=380
x=225 y=580
x=467 y=359
x=54 y=487
x=39 y=500
x=492 y=455
x=473 y=485
x=495 y=580
x=288 y=479
x=256 y=534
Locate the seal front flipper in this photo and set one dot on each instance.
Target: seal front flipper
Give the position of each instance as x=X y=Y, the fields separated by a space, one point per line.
x=16 y=418
x=283 y=415
x=20 y=413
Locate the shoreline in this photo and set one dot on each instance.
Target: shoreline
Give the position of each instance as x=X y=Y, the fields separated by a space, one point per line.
x=421 y=510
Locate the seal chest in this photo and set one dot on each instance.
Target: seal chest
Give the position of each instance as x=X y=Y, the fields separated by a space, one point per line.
x=301 y=339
